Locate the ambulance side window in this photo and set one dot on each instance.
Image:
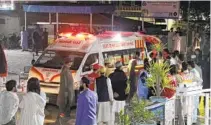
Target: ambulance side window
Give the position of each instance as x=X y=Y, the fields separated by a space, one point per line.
x=121 y=55
x=92 y=58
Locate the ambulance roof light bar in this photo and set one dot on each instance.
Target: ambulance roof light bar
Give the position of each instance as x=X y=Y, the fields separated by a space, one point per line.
x=117 y=37
x=79 y=35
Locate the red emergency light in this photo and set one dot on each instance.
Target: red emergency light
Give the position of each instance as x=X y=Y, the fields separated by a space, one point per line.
x=79 y=35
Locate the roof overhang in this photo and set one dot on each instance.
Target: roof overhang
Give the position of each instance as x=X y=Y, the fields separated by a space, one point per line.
x=69 y=9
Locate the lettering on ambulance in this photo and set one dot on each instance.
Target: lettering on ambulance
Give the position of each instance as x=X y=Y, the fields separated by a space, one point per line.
x=120 y=45
x=69 y=43
x=50 y=70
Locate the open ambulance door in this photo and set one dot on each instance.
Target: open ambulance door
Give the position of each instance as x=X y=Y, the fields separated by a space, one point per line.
x=89 y=60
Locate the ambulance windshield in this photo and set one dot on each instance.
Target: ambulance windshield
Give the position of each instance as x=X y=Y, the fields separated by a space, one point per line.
x=55 y=59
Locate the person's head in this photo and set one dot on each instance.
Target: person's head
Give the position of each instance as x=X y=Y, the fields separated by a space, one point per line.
x=33 y=85
x=181 y=57
x=102 y=71
x=184 y=66
x=178 y=29
x=23 y=29
x=175 y=54
x=118 y=65
x=165 y=53
x=68 y=62
x=191 y=65
x=45 y=30
x=11 y=86
x=84 y=83
x=173 y=70
x=137 y=55
x=197 y=51
x=96 y=67
x=172 y=29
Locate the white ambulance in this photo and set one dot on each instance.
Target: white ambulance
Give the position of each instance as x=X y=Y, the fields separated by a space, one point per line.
x=86 y=49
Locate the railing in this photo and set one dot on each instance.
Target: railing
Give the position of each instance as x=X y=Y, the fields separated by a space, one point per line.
x=190 y=103
x=186 y=102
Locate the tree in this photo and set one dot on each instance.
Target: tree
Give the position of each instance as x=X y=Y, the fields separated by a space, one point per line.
x=199 y=13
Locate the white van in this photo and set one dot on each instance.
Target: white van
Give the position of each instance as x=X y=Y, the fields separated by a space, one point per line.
x=86 y=49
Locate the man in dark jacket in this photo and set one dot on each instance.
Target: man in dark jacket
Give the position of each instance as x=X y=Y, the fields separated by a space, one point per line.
x=119 y=82
x=119 y=85
x=105 y=99
x=37 y=39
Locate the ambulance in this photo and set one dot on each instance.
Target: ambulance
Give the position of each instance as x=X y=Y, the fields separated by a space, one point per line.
x=86 y=49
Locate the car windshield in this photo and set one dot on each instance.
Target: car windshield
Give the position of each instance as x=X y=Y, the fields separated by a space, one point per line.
x=55 y=59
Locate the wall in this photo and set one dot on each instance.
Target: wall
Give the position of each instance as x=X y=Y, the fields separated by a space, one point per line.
x=9 y=25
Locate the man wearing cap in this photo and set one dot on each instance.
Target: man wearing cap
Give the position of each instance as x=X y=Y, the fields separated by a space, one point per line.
x=86 y=105
x=66 y=91
x=95 y=74
x=119 y=85
x=105 y=99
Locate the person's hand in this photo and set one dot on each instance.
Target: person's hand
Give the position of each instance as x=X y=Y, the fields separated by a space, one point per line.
x=116 y=95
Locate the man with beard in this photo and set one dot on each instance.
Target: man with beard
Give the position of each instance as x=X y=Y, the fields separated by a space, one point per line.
x=86 y=105
x=9 y=104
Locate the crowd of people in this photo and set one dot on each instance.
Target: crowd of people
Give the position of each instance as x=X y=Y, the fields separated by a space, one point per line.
x=102 y=94
x=110 y=90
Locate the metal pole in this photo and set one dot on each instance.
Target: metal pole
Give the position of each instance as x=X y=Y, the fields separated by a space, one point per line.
x=112 y=22
x=188 y=25
x=142 y=22
x=57 y=23
x=90 y=26
x=25 y=20
x=49 y=18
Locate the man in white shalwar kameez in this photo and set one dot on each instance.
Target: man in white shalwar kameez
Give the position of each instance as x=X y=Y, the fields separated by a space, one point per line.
x=8 y=104
x=105 y=114
x=24 y=39
x=32 y=105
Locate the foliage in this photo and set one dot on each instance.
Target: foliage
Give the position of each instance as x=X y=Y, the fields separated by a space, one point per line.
x=199 y=10
x=199 y=15
x=137 y=113
x=159 y=76
x=124 y=118
x=158 y=47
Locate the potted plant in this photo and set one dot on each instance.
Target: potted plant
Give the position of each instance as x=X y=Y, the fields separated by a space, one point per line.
x=158 y=80
x=137 y=114
x=158 y=70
